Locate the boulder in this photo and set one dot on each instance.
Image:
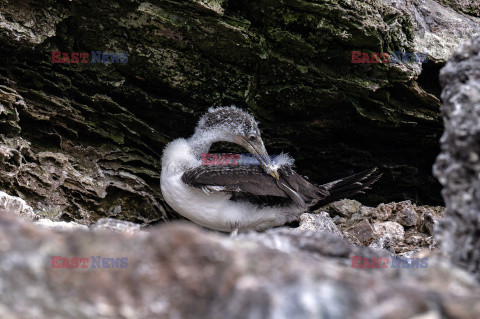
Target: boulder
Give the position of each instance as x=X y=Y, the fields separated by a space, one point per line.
x=179 y=270
x=458 y=165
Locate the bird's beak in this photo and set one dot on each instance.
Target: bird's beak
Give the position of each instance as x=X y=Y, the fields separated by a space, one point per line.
x=257 y=149
x=274 y=173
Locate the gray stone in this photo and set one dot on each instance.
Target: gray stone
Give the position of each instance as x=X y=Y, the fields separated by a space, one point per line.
x=116 y=225
x=180 y=271
x=366 y=211
x=318 y=222
x=439 y=29
x=428 y=315
x=385 y=243
x=407 y=217
x=419 y=221
x=430 y=222
x=458 y=165
x=363 y=231
x=59 y=225
x=91 y=138
x=344 y=208
x=16 y=206
x=414 y=240
x=339 y=220
x=468 y=7
x=391 y=230
x=382 y=212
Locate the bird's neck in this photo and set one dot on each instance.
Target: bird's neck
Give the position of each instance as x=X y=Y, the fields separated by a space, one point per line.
x=200 y=142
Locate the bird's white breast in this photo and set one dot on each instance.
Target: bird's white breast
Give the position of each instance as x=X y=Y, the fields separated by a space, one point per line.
x=213 y=210
x=192 y=203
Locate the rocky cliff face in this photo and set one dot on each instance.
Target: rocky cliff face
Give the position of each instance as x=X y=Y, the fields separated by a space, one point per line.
x=180 y=271
x=457 y=167
x=83 y=141
x=80 y=142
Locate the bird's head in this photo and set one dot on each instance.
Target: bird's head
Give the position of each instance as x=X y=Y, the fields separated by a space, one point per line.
x=231 y=124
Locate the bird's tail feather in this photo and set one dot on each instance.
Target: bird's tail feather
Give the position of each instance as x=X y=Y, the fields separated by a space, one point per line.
x=350 y=185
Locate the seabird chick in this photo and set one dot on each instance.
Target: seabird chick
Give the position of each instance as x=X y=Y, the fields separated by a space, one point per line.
x=230 y=197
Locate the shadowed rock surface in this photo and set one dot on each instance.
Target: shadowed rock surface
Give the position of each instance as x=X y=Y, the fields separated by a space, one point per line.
x=83 y=141
x=179 y=271
x=401 y=228
x=458 y=166
x=471 y=7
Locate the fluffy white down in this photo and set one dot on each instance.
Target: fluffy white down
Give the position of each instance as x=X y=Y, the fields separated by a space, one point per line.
x=214 y=209
x=282 y=159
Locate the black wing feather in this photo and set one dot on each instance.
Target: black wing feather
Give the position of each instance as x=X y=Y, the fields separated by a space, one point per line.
x=234 y=178
x=349 y=186
x=252 y=179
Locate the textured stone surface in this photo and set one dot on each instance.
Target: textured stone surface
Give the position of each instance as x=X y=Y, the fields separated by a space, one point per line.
x=439 y=30
x=362 y=231
x=402 y=227
x=16 y=206
x=344 y=208
x=116 y=225
x=391 y=231
x=282 y=273
x=382 y=212
x=318 y=222
x=407 y=217
x=458 y=166
x=60 y=226
x=430 y=221
x=83 y=141
x=471 y=7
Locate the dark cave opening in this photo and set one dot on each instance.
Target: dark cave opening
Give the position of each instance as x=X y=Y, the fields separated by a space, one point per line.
x=429 y=78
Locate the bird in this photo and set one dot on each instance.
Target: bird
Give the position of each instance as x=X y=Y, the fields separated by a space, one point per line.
x=232 y=198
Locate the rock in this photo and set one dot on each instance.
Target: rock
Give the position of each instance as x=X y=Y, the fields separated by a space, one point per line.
x=318 y=222
x=339 y=220
x=15 y=206
x=415 y=239
x=391 y=230
x=9 y=102
x=430 y=222
x=467 y=7
x=116 y=225
x=344 y=208
x=366 y=211
x=60 y=226
x=314 y=243
x=383 y=243
x=429 y=315
x=416 y=222
x=385 y=211
x=439 y=29
x=382 y=212
x=363 y=231
x=458 y=165
x=54 y=180
x=181 y=271
x=429 y=217
x=80 y=140
x=407 y=217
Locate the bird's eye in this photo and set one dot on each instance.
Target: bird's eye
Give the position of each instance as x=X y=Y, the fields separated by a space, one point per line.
x=252 y=138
